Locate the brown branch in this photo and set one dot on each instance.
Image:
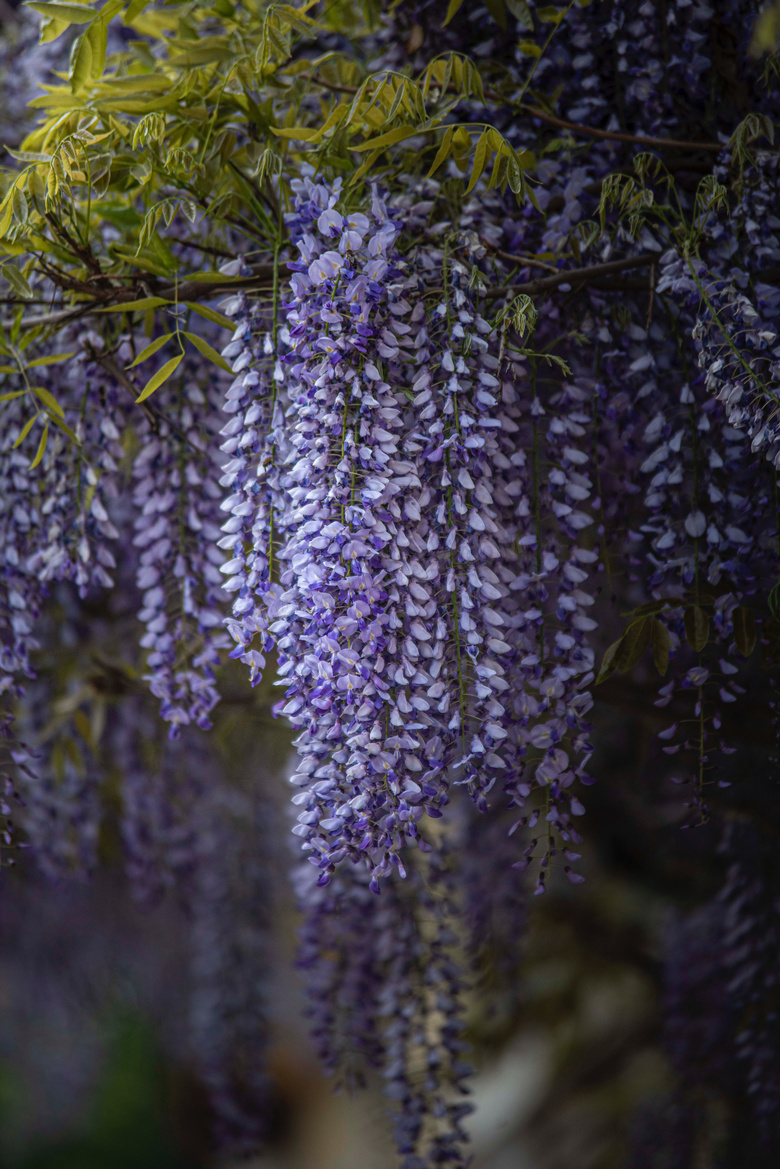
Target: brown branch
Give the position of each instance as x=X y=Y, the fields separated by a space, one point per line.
x=616 y=135
x=561 y=123
x=525 y=261
x=573 y=276
x=190 y=290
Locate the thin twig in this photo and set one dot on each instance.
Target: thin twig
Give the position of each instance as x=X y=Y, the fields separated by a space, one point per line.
x=526 y=261
x=190 y=290
x=617 y=135
x=573 y=276
x=561 y=123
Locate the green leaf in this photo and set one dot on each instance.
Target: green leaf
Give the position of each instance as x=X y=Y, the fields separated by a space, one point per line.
x=697 y=628
x=51 y=29
x=497 y=11
x=652 y=607
x=443 y=151
x=25 y=430
x=521 y=13
x=661 y=646
x=150 y=350
x=65 y=13
x=55 y=418
x=50 y=359
x=208 y=352
x=608 y=661
x=453 y=7
x=28 y=155
x=97 y=35
x=80 y=63
x=766 y=31
x=212 y=277
x=134 y=305
x=550 y=14
x=41 y=448
x=162 y=375
x=17 y=281
x=210 y=314
x=48 y=400
x=480 y=158
x=134 y=8
x=391 y=138
x=774 y=601
x=302 y=133
x=12 y=394
x=633 y=644
x=744 y=630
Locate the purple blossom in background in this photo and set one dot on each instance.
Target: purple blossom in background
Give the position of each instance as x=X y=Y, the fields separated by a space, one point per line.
x=176 y=497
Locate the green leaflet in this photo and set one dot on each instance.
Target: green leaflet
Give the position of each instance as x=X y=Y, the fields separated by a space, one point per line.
x=41 y=447
x=391 y=138
x=453 y=7
x=150 y=349
x=208 y=352
x=48 y=400
x=17 y=281
x=25 y=430
x=162 y=375
x=135 y=305
x=50 y=359
x=66 y=14
x=480 y=158
x=210 y=314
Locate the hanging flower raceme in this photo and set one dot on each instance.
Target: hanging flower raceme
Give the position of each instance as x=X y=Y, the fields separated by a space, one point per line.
x=385 y=991
x=254 y=441
x=177 y=500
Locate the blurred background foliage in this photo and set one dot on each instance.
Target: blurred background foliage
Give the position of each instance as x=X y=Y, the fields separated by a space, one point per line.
x=573 y=1064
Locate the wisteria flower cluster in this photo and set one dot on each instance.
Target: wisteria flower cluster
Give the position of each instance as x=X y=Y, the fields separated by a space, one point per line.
x=474 y=458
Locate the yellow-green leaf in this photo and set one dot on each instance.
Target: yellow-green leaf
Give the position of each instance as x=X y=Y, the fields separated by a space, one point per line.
x=452 y=8
x=212 y=277
x=443 y=151
x=150 y=350
x=303 y=133
x=210 y=314
x=41 y=447
x=391 y=138
x=17 y=281
x=661 y=647
x=50 y=359
x=157 y=379
x=697 y=627
x=134 y=8
x=51 y=29
x=550 y=14
x=66 y=13
x=12 y=394
x=497 y=11
x=208 y=352
x=480 y=158
x=25 y=430
x=744 y=630
x=81 y=63
x=97 y=35
x=55 y=418
x=48 y=400
x=132 y=305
